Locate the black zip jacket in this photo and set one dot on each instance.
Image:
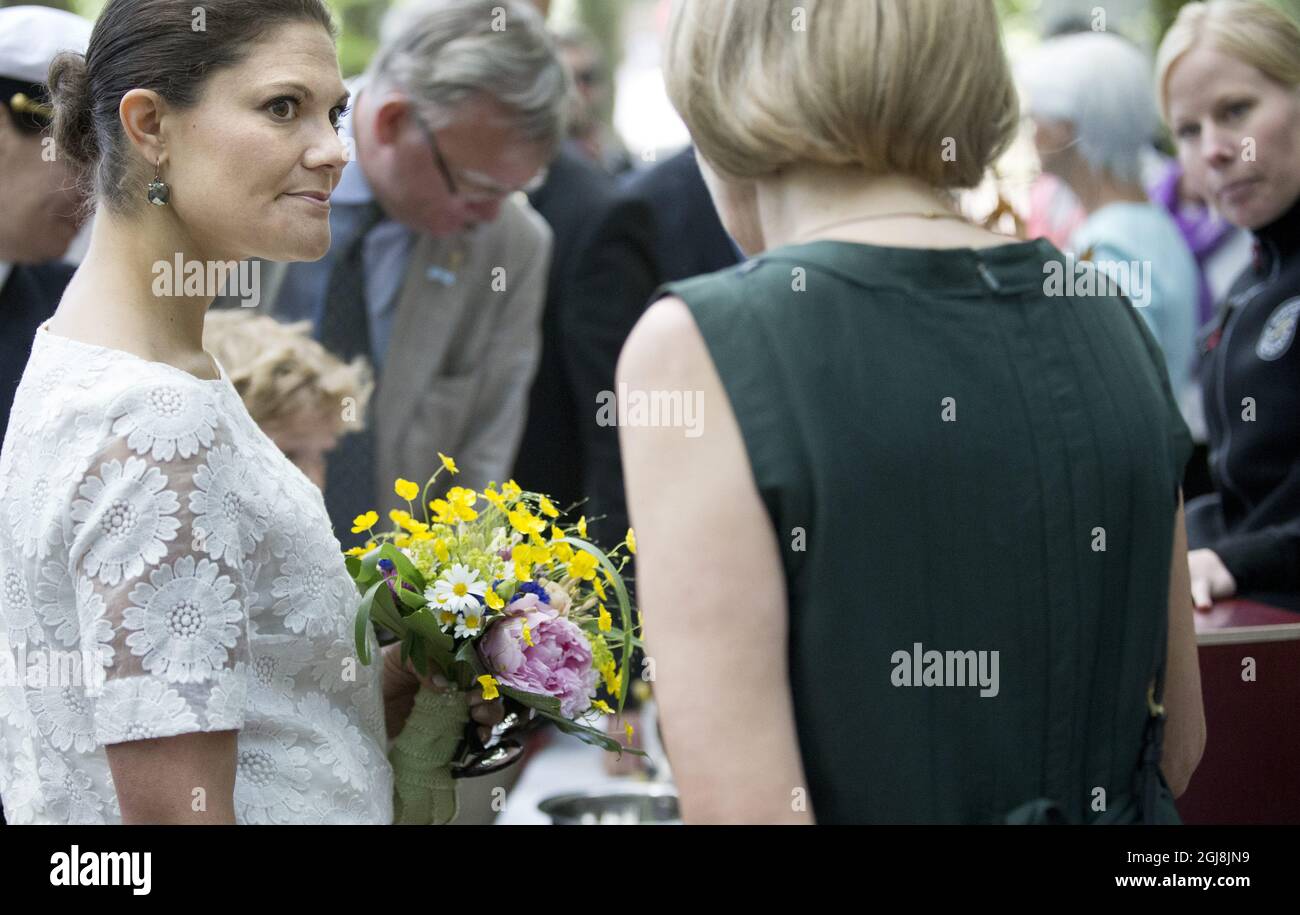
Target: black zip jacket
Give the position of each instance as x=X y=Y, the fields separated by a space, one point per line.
x=1250 y=378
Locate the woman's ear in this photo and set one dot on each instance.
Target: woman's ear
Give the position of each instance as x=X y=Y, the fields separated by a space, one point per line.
x=142 y=112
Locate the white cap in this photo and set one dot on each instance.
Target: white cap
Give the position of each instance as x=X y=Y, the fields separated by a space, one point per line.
x=31 y=36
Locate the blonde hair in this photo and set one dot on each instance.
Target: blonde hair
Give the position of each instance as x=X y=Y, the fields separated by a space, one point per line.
x=279 y=370
x=1253 y=32
x=914 y=87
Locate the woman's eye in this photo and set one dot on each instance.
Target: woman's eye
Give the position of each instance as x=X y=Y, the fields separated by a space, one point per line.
x=283 y=104
x=336 y=116
x=1187 y=132
x=1238 y=110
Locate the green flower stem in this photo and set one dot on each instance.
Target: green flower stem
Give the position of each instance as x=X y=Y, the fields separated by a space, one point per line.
x=424 y=792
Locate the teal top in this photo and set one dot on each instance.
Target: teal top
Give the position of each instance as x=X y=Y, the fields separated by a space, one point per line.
x=1140 y=246
x=954 y=461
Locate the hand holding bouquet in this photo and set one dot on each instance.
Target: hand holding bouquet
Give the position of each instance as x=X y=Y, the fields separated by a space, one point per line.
x=492 y=588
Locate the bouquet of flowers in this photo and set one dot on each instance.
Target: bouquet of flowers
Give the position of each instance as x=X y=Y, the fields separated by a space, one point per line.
x=492 y=588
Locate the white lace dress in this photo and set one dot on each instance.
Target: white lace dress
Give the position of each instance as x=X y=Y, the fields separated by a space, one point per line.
x=164 y=569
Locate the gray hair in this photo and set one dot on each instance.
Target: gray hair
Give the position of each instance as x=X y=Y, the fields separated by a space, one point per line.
x=447 y=52
x=1102 y=85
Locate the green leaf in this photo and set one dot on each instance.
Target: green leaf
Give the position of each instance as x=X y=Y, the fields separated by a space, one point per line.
x=385 y=612
x=363 y=623
x=412 y=599
x=593 y=736
x=547 y=705
x=404 y=566
x=437 y=643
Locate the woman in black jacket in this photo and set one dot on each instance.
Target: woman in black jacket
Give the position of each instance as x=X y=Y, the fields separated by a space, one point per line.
x=1229 y=82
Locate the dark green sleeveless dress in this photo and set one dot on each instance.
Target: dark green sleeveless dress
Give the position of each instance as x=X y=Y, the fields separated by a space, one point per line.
x=955 y=461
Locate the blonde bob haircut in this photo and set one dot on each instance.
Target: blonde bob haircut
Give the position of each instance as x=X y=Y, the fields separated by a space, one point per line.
x=279 y=370
x=1248 y=30
x=920 y=88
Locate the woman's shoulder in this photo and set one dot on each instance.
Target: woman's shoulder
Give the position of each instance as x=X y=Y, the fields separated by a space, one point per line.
x=83 y=395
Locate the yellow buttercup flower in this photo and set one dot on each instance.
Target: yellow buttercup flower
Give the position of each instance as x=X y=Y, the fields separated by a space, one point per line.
x=495 y=498
x=493 y=599
x=364 y=522
x=563 y=552
x=631 y=541
x=407 y=490
x=361 y=550
x=599 y=588
x=605 y=622
x=511 y=490
x=523 y=572
x=402 y=540
x=609 y=675
x=582 y=527
x=547 y=508
x=440 y=550
x=556 y=533
x=443 y=513
x=489 y=684
x=448 y=463
x=399 y=516
x=630 y=731
x=603 y=706
x=583 y=566
x=527 y=635
x=524 y=521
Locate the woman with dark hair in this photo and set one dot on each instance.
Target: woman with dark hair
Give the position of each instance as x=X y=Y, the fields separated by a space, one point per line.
x=919 y=558
x=152 y=537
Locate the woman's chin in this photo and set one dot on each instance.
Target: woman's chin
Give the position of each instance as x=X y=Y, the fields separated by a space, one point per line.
x=299 y=246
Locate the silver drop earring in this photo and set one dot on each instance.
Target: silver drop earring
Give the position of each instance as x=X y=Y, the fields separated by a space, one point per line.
x=158 y=192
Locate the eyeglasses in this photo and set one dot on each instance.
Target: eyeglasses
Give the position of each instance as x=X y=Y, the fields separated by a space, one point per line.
x=482 y=193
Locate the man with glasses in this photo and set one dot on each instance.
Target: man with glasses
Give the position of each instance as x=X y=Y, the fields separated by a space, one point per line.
x=437 y=269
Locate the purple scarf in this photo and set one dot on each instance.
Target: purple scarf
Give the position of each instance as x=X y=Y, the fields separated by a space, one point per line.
x=1202 y=229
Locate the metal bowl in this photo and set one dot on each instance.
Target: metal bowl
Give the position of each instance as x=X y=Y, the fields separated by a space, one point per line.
x=635 y=805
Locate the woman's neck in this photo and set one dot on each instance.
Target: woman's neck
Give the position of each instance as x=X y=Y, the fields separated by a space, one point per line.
x=130 y=292
x=808 y=204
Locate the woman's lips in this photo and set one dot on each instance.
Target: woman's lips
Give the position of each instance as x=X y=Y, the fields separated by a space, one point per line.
x=319 y=201
x=1238 y=192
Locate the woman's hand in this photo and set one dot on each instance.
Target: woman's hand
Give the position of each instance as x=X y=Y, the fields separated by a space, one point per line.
x=1210 y=578
x=401 y=683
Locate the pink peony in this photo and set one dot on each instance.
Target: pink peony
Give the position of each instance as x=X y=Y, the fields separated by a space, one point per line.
x=558 y=663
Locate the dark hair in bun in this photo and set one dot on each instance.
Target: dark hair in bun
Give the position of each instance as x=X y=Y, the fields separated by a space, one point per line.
x=157 y=45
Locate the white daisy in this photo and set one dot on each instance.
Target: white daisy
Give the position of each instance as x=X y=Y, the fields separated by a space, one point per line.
x=457 y=589
x=470 y=623
x=230 y=515
x=125 y=515
x=164 y=419
x=184 y=620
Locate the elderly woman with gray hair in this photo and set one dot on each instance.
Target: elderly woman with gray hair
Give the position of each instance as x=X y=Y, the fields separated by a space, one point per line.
x=1094 y=114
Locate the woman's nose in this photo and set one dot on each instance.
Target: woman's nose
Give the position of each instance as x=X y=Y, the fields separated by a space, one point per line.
x=1217 y=146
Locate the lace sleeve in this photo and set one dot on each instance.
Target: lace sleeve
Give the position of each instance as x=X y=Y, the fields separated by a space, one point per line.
x=162 y=523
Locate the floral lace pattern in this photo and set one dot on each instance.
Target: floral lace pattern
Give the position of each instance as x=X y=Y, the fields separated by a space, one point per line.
x=164 y=569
